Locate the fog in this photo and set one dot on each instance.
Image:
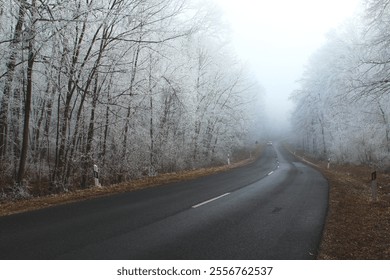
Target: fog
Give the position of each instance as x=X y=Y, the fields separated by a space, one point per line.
x=276 y=39
x=147 y=87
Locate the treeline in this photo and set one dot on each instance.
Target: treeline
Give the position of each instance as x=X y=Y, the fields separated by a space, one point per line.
x=137 y=87
x=343 y=105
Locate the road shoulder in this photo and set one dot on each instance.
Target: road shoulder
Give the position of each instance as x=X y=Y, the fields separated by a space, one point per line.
x=356 y=226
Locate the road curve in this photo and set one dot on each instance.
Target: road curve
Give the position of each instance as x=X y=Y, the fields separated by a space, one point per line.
x=274 y=208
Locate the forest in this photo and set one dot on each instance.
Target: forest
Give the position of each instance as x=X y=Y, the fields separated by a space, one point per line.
x=342 y=108
x=136 y=87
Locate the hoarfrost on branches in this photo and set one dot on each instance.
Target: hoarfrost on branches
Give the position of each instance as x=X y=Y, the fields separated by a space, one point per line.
x=136 y=87
x=343 y=105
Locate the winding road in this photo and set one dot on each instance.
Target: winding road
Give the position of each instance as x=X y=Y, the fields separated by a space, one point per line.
x=274 y=208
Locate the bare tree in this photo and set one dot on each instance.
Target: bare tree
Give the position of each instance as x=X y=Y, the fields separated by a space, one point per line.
x=10 y=70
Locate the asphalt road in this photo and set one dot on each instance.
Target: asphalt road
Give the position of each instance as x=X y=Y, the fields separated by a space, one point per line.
x=274 y=208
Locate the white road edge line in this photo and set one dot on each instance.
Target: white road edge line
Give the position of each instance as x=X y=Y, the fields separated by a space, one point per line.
x=210 y=200
x=270 y=173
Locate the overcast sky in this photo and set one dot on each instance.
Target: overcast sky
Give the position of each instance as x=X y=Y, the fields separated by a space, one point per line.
x=276 y=38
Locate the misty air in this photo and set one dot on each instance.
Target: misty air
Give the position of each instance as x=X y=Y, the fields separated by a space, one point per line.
x=194 y=129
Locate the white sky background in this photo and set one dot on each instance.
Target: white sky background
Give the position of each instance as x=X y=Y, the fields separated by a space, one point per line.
x=277 y=37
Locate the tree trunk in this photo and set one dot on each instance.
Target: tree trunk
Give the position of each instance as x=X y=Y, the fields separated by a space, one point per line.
x=387 y=127
x=27 y=107
x=9 y=79
x=87 y=161
x=61 y=159
x=132 y=80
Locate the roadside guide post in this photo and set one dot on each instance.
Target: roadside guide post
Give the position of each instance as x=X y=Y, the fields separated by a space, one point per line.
x=96 y=175
x=374 y=191
x=228 y=159
x=328 y=163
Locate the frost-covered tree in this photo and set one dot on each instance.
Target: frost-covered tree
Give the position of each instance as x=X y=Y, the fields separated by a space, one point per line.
x=342 y=107
x=136 y=87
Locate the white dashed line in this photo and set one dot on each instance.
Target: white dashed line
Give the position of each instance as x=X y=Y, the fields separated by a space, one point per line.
x=270 y=173
x=210 y=200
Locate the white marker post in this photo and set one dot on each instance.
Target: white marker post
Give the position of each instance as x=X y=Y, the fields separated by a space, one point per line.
x=228 y=159
x=96 y=176
x=328 y=163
